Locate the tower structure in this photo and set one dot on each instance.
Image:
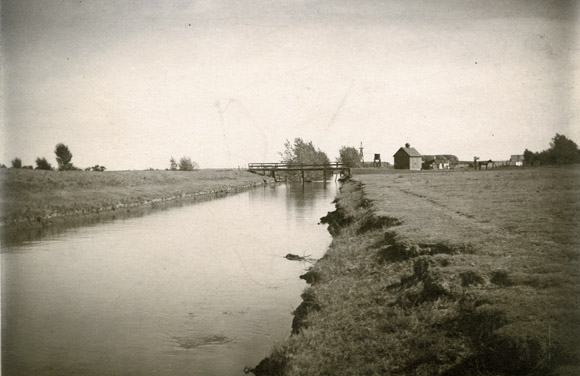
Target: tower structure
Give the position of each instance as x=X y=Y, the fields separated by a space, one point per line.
x=361 y=155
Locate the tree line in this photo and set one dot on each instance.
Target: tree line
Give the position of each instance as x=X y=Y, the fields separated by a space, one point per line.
x=562 y=151
x=304 y=152
x=63 y=160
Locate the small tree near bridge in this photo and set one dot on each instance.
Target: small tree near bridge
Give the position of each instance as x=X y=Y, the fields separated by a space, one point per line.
x=349 y=156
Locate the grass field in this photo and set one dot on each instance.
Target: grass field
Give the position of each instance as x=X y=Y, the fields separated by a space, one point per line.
x=34 y=197
x=444 y=273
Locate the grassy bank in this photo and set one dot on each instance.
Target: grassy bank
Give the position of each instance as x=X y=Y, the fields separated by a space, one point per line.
x=444 y=273
x=32 y=198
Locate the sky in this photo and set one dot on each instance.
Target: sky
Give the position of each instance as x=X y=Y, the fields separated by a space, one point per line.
x=129 y=84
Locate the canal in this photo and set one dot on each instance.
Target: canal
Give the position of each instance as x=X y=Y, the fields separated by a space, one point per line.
x=201 y=289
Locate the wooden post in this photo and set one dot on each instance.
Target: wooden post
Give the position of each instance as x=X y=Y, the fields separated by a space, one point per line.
x=302 y=176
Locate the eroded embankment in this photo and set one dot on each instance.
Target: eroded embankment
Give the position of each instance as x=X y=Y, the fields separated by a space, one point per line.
x=381 y=304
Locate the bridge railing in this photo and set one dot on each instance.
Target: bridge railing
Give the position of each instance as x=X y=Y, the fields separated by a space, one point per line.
x=281 y=166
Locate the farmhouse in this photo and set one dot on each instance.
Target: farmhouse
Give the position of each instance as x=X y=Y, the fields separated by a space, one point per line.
x=407 y=158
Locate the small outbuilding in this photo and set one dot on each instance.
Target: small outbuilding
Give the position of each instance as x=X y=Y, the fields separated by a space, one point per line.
x=407 y=158
x=517 y=160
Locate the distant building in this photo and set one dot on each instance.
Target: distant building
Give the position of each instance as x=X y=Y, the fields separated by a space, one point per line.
x=517 y=160
x=407 y=158
x=502 y=163
x=439 y=162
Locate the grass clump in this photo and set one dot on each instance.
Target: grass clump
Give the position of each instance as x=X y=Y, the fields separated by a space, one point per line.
x=471 y=277
x=372 y=222
x=501 y=278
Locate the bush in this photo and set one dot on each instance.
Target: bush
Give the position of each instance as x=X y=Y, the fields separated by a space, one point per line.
x=186 y=164
x=16 y=163
x=96 y=168
x=43 y=164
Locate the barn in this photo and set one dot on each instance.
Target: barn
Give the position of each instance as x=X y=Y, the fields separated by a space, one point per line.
x=407 y=158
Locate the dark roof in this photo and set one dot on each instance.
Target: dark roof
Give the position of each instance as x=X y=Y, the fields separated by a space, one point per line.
x=411 y=152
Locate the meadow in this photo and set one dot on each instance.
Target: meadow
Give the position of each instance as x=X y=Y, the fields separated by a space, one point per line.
x=444 y=273
x=37 y=198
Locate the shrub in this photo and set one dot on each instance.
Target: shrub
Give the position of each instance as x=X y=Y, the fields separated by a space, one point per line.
x=96 y=168
x=43 y=164
x=186 y=164
x=16 y=163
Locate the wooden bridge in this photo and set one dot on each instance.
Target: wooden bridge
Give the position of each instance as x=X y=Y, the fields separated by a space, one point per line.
x=273 y=168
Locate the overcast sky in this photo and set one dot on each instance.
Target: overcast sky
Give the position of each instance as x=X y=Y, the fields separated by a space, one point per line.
x=128 y=84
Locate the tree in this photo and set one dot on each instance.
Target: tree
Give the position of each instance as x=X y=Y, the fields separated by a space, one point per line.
x=349 y=156
x=63 y=157
x=16 y=163
x=529 y=157
x=301 y=152
x=172 y=164
x=43 y=164
x=186 y=164
x=563 y=150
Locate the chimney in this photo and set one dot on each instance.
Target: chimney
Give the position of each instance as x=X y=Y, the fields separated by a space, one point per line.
x=407 y=145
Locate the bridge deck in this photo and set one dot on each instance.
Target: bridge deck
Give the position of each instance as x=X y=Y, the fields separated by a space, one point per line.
x=274 y=168
x=255 y=167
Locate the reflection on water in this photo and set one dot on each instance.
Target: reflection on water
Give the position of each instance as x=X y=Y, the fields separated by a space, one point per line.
x=197 y=290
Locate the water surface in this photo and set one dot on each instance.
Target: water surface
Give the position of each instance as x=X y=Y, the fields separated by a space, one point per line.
x=198 y=290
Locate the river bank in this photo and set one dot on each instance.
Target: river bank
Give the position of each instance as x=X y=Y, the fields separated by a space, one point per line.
x=468 y=273
x=35 y=199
